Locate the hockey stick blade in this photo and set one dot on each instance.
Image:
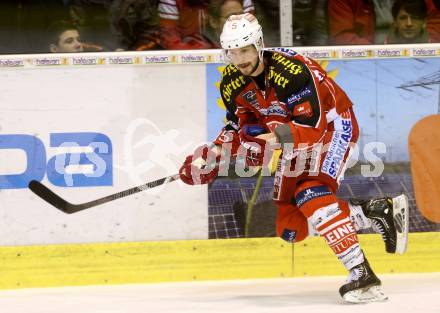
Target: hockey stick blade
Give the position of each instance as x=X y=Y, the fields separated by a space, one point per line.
x=55 y=200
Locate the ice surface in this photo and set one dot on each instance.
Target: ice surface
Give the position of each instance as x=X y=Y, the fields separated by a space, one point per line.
x=407 y=293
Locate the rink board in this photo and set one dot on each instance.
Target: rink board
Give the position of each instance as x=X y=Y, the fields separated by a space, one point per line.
x=169 y=261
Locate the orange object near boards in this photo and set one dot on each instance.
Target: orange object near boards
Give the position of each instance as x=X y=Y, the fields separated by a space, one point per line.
x=424 y=152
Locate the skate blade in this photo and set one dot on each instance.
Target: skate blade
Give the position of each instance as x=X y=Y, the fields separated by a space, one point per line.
x=372 y=294
x=401 y=220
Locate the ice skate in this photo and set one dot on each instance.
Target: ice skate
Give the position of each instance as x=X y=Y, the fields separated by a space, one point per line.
x=362 y=285
x=389 y=217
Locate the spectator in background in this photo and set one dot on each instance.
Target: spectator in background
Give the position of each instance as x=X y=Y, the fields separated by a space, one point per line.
x=92 y=18
x=136 y=24
x=409 y=24
x=309 y=22
x=218 y=13
x=65 y=38
x=433 y=20
x=183 y=23
x=354 y=22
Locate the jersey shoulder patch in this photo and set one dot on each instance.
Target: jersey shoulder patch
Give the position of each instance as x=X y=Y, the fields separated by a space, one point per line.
x=232 y=84
x=282 y=50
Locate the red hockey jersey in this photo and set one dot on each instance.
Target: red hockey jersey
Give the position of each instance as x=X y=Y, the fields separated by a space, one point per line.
x=299 y=97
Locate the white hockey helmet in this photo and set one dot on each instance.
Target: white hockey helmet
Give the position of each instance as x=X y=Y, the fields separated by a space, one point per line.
x=240 y=31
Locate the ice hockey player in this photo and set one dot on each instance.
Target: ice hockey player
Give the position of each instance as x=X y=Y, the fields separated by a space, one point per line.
x=278 y=98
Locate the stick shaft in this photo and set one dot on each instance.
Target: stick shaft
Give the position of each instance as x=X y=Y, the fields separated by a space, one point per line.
x=55 y=200
x=131 y=191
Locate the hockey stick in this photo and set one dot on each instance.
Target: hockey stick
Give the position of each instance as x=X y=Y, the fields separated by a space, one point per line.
x=52 y=198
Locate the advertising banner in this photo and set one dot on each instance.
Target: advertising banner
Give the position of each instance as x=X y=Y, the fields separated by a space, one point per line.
x=90 y=131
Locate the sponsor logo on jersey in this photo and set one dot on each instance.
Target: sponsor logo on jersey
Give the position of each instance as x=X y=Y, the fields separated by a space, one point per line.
x=338 y=147
x=311 y=193
x=288 y=64
x=275 y=108
x=277 y=78
x=288 y=235
x=231 y=84
x=229 y=70
x=287 y=51
x=251 y=97
x=303 y=109
x=296 y=97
